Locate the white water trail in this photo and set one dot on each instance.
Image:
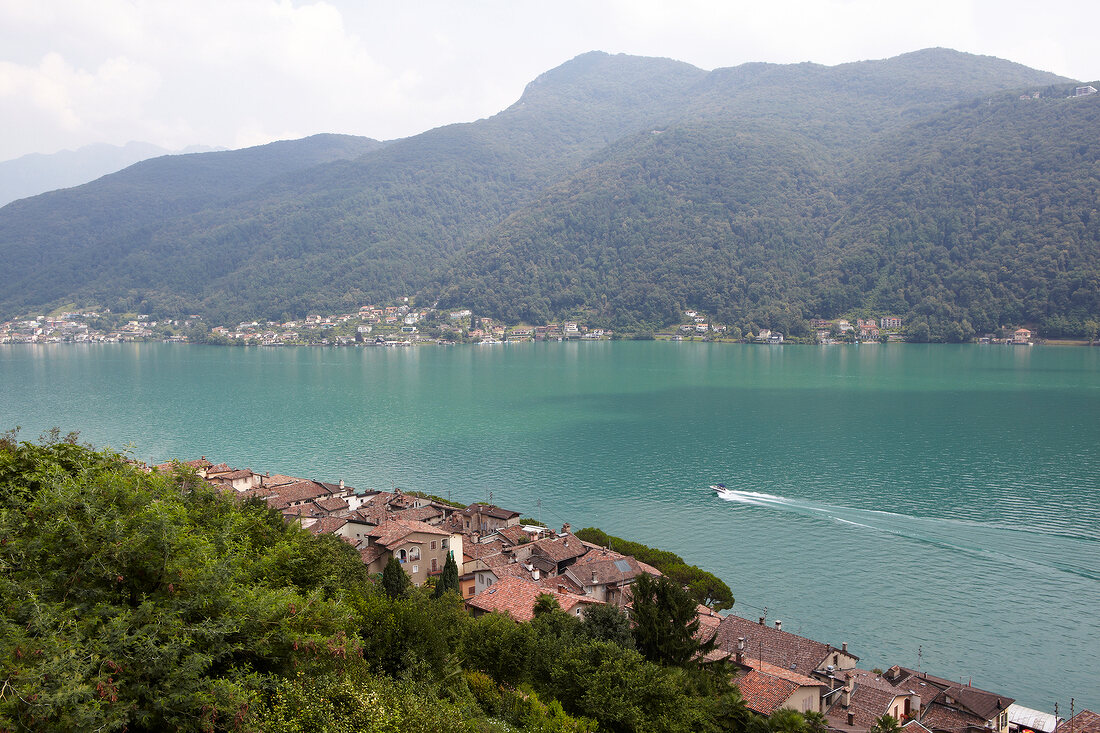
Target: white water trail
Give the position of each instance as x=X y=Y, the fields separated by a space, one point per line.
x=1070 y=554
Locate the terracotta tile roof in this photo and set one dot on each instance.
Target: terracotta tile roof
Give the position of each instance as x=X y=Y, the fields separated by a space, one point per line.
x=489 y=511
x=602 y=567
x=220 y=468
x=421 y=514
x=284 y=496
x=372 y=553
x=769 y=644
x=230 y=475
x=938 y=717
x=516 y=597
x=560 y=584
x=480 y=550
x=278 y=479
x=1085 y=721
x=870 y=699
x=789 y=675
x=197 y=464
x=395 y=531
x=764 y=693
x=331 y=504
x=980 y=704
x=559 y=549
x=514 y=535
x=327 y=525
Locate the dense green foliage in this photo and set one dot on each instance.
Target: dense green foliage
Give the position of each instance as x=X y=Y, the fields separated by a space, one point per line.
x=666 y=623
x=705 y=588
x=624 y=190
x=143 y=601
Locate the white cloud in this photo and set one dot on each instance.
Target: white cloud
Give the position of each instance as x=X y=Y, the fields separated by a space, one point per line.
x=230 y=72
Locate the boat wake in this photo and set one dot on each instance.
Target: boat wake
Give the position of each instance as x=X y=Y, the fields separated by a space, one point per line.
x=1073 y=554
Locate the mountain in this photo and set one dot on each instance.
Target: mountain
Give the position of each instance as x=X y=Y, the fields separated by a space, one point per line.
x=621 y=189
x=37 y=173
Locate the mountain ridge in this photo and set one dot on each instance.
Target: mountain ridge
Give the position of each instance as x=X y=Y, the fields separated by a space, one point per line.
x=768 y=154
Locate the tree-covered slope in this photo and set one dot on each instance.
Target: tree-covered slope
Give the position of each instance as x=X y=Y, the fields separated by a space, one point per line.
x=985 y=212
x=335 y=234
x=624 y=187
x=989 y=213
x=137 y=601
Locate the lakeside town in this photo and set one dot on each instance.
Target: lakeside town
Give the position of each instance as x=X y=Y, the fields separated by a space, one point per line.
x=508 y=564
x=403 y=324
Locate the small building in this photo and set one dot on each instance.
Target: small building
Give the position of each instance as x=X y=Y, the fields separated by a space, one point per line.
x=1084 y=91
x=1021 y=336
x=421 y=548
x=517 y=597
x=766 y=688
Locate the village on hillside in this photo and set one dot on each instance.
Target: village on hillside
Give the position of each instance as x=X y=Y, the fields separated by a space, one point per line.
x=507 y=564
x=402 y=324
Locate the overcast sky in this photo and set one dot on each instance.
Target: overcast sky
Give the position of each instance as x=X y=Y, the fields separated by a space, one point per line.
x=235 y=73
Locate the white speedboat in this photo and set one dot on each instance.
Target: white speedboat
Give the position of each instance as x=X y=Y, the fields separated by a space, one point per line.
x=721 y=490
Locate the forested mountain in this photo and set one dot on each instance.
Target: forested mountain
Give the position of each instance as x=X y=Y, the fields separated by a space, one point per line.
x=624 y=189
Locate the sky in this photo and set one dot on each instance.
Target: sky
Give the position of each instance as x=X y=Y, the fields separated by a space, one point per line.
x=235 y=73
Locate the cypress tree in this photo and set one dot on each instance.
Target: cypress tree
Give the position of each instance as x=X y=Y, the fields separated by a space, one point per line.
x=448 y=580
x=394 y=580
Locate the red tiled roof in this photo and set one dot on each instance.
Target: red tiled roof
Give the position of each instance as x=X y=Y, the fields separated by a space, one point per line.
x=331 y=503
x=781 y=648
x=327 y=525
x=394 y=531
x=763 y=693
x=559 y=549
x=420 y=514
x=516 y=597
x=1085 y=721
x=291 y=493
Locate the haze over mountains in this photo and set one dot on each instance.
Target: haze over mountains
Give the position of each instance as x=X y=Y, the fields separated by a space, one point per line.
x=622 y=190
x=36 y=173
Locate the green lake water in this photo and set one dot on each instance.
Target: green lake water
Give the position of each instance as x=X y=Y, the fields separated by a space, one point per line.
x=931 y=505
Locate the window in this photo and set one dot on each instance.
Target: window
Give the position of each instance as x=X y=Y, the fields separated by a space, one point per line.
x=414 y=553
x=432 y=545
x=434 y=565
x=416 y=569
x=444 y=544
x=470 y=591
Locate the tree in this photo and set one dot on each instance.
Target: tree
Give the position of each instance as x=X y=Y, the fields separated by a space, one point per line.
x=394 y=580
x=448 y=579
x=604 y=622
x=886 y=724
x=666 y=622
x=546 y=603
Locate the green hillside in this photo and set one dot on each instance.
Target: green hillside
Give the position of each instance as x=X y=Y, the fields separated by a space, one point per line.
x=623 y=189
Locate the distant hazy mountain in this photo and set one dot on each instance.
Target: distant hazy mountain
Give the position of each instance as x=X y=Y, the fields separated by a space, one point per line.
x=622 y=189
x=38 y=173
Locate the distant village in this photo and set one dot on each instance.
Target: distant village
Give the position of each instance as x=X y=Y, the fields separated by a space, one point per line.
x=507 y=562
x=405 y=325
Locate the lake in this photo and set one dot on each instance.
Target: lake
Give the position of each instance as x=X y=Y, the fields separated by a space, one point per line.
x=929 y=505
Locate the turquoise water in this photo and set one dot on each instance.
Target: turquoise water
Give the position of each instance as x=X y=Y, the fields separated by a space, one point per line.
x=935 y=499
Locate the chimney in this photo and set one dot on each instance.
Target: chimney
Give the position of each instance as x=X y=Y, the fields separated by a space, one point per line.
x=846 y=696
x=535 y=574
x=593 y=577
x=761 y=620
x=740 y=643
x=778 y=625
x=566 y=528
x=341 y=483
x=844 y=647
x=851 y=718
